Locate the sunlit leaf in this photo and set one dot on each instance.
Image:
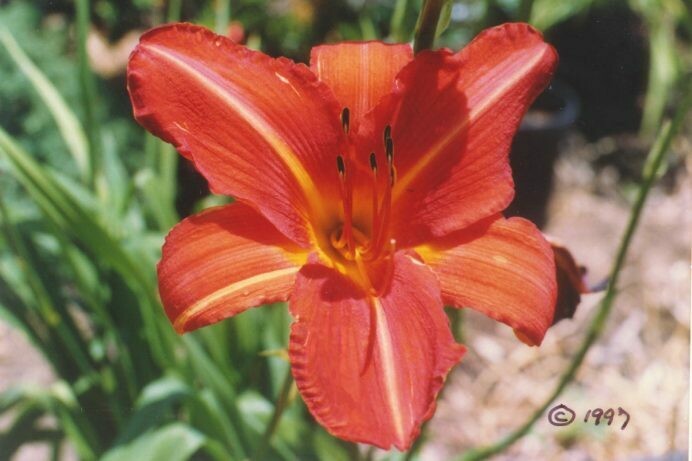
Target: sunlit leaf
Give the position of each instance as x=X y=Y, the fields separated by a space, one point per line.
x=174 y=442
x=547 y=13
x=155 y=402
x=445 y=17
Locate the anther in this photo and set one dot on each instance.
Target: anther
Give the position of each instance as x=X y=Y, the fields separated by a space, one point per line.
x=387 y=133
x=340 y=165
x=389 y=149
x=373 y=162
x=345 y=119
x=346 y=237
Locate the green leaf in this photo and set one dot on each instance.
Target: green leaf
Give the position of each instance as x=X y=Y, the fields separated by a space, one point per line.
x=11 y=397
x=76 y=222
x=547 y=13
x=44 y=299
x=663 y=71
x=224 y=394
x=88 y=84
x=152 y=194
x=257 y=412
x=68 y=124
x=158 y=181
x=22 y=430
x=60 y=401
x=208 y=415
x=115 y=185
x=397 y=31
x=328 y=447
x=155 y=402
x=256 y=409
x=174 y=442
x=445 y=17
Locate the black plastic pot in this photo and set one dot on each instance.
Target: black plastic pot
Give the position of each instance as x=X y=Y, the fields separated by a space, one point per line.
x=535 y=149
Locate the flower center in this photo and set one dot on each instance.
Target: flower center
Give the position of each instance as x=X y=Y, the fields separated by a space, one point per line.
x=367 y=256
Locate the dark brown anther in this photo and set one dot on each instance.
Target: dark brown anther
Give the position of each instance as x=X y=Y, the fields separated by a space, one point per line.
x=340 y=165
x=345 y=119
x=387 y=133
x=373 y=162
x=389 y=149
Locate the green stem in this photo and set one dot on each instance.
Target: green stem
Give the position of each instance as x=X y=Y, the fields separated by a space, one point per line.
x=654 y=160
x=427 y=25
x=88 y=88
x=662 y=71
x=353 y=451
x=223 y=16
x=457 y=324
x=174 y=10
x=525 y=9
x=281 y=405
x=396 y=26
x=367 y=28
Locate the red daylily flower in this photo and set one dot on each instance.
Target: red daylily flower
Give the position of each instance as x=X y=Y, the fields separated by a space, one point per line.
x=369 y=192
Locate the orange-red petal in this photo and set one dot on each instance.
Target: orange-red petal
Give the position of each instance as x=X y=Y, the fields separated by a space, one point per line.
x=501 y=267
x=263 y=130
x=369 y=369
x=359 y=73
x=453 y=117
x=221 y=262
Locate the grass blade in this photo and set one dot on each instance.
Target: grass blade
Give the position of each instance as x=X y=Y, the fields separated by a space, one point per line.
x=65 y=213
x=68 y=124
x=86 y=80
x=174 y=442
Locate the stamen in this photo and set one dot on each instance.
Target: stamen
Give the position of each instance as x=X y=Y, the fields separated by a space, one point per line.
x=373 y=162
x=382 y=223
x=373 y=166
x=345 y=119
x=348 y=240
x=340 y=165
x=381 y=218
x=389 y=149
x=347 y=201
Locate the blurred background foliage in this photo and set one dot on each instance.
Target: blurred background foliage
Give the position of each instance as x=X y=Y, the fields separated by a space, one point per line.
x=87 y=198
